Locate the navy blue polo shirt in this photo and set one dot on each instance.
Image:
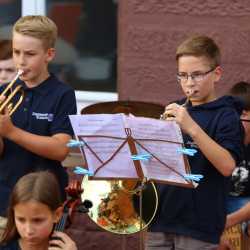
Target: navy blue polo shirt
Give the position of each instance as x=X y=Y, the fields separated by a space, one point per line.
x=44 y=111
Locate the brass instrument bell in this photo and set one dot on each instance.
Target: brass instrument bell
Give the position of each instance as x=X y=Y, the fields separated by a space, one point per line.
x=122 y=206
x=8 y=94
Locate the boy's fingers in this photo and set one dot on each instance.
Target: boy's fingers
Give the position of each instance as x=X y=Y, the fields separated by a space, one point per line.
x=2 y=98
x=6 y=110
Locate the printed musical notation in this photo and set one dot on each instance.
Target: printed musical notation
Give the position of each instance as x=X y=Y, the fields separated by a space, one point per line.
x=113 y=141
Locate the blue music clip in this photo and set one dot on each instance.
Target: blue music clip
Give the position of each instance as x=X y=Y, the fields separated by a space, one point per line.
x=75 y=144
x=141 y=157
x=187 y=151
x=193 y=177
x=83 y=171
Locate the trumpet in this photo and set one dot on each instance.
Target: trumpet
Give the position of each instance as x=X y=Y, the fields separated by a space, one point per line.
x=8 y=94
x=190 y=94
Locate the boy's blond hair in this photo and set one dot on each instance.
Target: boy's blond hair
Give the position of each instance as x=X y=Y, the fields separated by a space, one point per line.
x=38 y=26
x=200 y=46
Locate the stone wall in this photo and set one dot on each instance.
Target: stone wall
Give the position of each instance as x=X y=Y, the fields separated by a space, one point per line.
x=150 y=31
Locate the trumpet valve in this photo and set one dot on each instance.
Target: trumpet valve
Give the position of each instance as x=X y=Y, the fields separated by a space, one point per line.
x=165 y=116
x=10 y=107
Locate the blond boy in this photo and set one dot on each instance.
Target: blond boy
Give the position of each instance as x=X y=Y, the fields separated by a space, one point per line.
x=37 y=133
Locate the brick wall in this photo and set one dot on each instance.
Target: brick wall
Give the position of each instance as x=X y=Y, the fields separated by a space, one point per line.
x=150 y=30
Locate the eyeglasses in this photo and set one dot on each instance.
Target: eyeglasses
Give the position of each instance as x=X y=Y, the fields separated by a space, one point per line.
x=195 y=76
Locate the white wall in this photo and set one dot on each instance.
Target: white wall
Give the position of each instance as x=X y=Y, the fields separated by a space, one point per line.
x=86 y=98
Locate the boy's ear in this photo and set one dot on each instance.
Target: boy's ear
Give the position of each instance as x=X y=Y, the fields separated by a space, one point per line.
x=51 y=52
x=218 y=73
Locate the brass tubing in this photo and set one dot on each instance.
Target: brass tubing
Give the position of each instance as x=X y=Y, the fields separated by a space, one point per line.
x=9 y=96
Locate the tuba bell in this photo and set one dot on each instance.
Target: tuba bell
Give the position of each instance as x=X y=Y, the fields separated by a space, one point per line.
x=122 y=206
x=6 y=97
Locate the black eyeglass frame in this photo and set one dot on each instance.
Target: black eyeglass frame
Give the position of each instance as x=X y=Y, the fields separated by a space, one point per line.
x=192 y=75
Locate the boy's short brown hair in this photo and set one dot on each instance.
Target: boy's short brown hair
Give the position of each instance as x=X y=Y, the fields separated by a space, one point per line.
x=200 y=46
x=37 y=26
x=5 y=49
x=242 y=90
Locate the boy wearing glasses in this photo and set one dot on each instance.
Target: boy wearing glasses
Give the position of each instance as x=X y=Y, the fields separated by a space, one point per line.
x=194 y=219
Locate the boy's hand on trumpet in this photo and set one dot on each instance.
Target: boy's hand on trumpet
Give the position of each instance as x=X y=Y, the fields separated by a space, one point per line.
x=6 y=125
x=178 y=113
x=2 y=98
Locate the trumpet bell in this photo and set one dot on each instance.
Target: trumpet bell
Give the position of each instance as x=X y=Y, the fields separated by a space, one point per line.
x=6 y=97
x=120 y=207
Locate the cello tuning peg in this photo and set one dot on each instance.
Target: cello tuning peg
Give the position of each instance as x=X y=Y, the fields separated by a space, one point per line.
x=85 y=206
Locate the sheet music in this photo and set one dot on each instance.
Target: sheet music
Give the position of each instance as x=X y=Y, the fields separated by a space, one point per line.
x=149 y=128
x=162 y=139
x=98 y=124
x=159 y=132
x=168 y=154
x=121 y=166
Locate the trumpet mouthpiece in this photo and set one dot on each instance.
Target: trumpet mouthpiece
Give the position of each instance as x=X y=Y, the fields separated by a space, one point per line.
x=20 y=72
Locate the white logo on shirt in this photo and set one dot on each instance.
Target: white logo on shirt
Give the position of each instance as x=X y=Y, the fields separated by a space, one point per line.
x=43 y=116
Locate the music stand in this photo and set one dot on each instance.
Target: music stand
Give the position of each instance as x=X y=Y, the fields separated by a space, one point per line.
x=137 y=109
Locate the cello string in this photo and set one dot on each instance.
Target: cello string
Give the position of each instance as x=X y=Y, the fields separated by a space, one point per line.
x=61 y=224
